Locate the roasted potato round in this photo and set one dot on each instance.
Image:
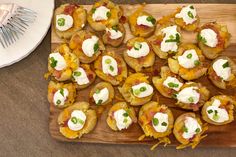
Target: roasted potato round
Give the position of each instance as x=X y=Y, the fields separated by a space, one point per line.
x=222 y=72
x=189 y=130
x=121 y=116
x=114 y=35
x=61 y=95
x=111 y=67
x=104 y=14
x=188 y=63
x=61 y=63
x=213 y=39
x=68 y=19
x=86 y=126
x=219 y=110
x=136 y=89
x=102 y=93
x=168 y=83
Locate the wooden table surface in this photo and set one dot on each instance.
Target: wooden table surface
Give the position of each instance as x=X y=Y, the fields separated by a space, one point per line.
x=24 y=113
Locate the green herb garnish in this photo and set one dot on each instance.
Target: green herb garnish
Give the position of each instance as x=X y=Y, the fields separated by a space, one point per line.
x=155 y=121
x=99 y=102
x=196 y=62
x=93 y=10
x=185 y=129
x=197 y=130
x=173 y=85
x=190 y=14
x=137 y=46
x=97 y=91
x=80 y=121
x=136 y=91
x=111 y=68
x=74 y=120
x=202 y=39
x=108 y=14
x=96 y=47
x=191 y=7
x=177 y=39
x=108 y=61
x=115 y=28
x=216 y=116
x=58 y=102
x=125 y=114
x=225 y=65
x=189 y=56
x=61 y=21
x=190 y=99
x=210 y=111
x=164 y=124
x=62 y=92
x=77 y=73
x=151 y=19
x=142 y=89
x=53 y=63
x=125 y=120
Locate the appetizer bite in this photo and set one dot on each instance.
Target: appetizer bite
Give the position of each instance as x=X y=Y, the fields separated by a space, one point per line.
x=111 y=67
x=188 y=63
x=61 y=95
x=139 y=54
x=142 y=23
x=86 y=46
x=156 y=121
x=104 y=14
x=219 y=110
x=213 y=39
x=189 y=130
x=68 y=19
x=222 y=72
x=168 y=83
x=137 y=90
x=102 y=93
x=77 y=120
x=61 y=63
x=192 y=96
x=83 y=76
x=114 y=35
x=121 y=116
x=187 y=18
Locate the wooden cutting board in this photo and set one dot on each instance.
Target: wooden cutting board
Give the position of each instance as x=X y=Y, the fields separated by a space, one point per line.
x=218 y=136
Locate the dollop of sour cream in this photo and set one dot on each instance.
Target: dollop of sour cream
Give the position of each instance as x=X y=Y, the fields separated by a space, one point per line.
x=192 y=127
x=140 y=49
x=142 y=90
x=80 y=76
x=100 y=13
x=222 y=68
x=160 y=122
x=188 y=95
x=57 y=61
x=188 y=59
x=77 y=120
x=172 y=83
x=188 y=14
x=101 y=96
x=60 y=97
x=209 y=37
x=143 y=20
x=109 y=66
x=88 y=46
x=64 y=22
x=217 y=114
x=170 y=34
x=123 y=120
x=114 y=34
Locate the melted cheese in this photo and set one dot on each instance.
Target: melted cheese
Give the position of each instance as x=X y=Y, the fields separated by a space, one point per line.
x=188 y=95
x=109 y=66
x=58 y=59
x=142 y=90
x=221 y=71
x=191 y=126
x=188 y=59
x=209 y=36
x=122 y=120
x=162 y=122
x=88 y=46
x=100 y=13
x=101 y=96
x=172 y=83
x=142 y=51
x=188 y=14
x=64 y=22
x=60 y=97
x=77 y=120
x=142 y=20
x=80 y=76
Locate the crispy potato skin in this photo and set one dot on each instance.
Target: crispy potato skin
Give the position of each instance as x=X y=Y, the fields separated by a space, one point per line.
x=116 y=13
x=117 y=106
x=178 y=131
x=114 y=42
x=223 y=37
x=146 y=113
x=226 y=102
x=76 y=42
x=125 y=90
x=217 y=81
x=79 y=16
x=90 y=123
x=100 y=86
x=53 y=87
x=138 y=64
x=122 y=69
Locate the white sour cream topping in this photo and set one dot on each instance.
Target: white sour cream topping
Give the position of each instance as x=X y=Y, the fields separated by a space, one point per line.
x=209 y=36
x=142 y=51
x=142 y=90
x=114 y=34
x=101 y=96
x=169 y=32
x=142 y=20
x=188 y=95
x=188 y=14
x=217 y=114
x=64 y=22
x=80 y=76
x=162 y=122
x=77 y=120
x=109 y=66
x=223 y=72
x=100 y=13
x=188 y=59
x=172 y=83
x=88 y=46
x=59 y=59
x=191 y=125
x=60 y=97
x=122 y=121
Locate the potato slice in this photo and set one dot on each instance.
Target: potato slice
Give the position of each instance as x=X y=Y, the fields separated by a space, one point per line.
x=65 y=115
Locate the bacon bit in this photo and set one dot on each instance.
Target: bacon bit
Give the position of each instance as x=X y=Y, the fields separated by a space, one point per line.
x=195 y=107
x=141 y=59
x=142 y=27
x=57 y=74
x=90 y=76
x=157 y=42
x=70 y=9
x=214 y=76
x=129 y=47
x=123 y=19
x=162 y=110
x=119 y=70
x=155 y=72
x=65 y=123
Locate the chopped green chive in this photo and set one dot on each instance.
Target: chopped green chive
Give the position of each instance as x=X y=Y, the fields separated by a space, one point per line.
x=196 y=62
x=185 y=129
x=190 y=99
x=96 y=47
x=216 y=116
x=61 y=21
x=177 y=39
x=93 y=10
x=142 y=89
x=171 y=37
x=164 y=124
x=151 y=19
x=77 y=73
x=108 y=14
x=137 y=46
x=62 y=92
x=210 y=111
x=174 y=95
x=225 y=65
x=173 y=85
x=74 y=120
x=111 y=68
x=200 y=38
x=99 y=102
x=53 y=63
x=58 y=102
x=115 y=28
x=125 y=114
x=108 y=61
x=136 y=91
x=80 y=121
x=190 y=14
x=155 y=121
x=197 y=130
x=125 y=120
x=97 y=91
x=191 y=7
x=189 y=56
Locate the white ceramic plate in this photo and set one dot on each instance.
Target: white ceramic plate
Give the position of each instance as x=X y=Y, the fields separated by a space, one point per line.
x=34 y=34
